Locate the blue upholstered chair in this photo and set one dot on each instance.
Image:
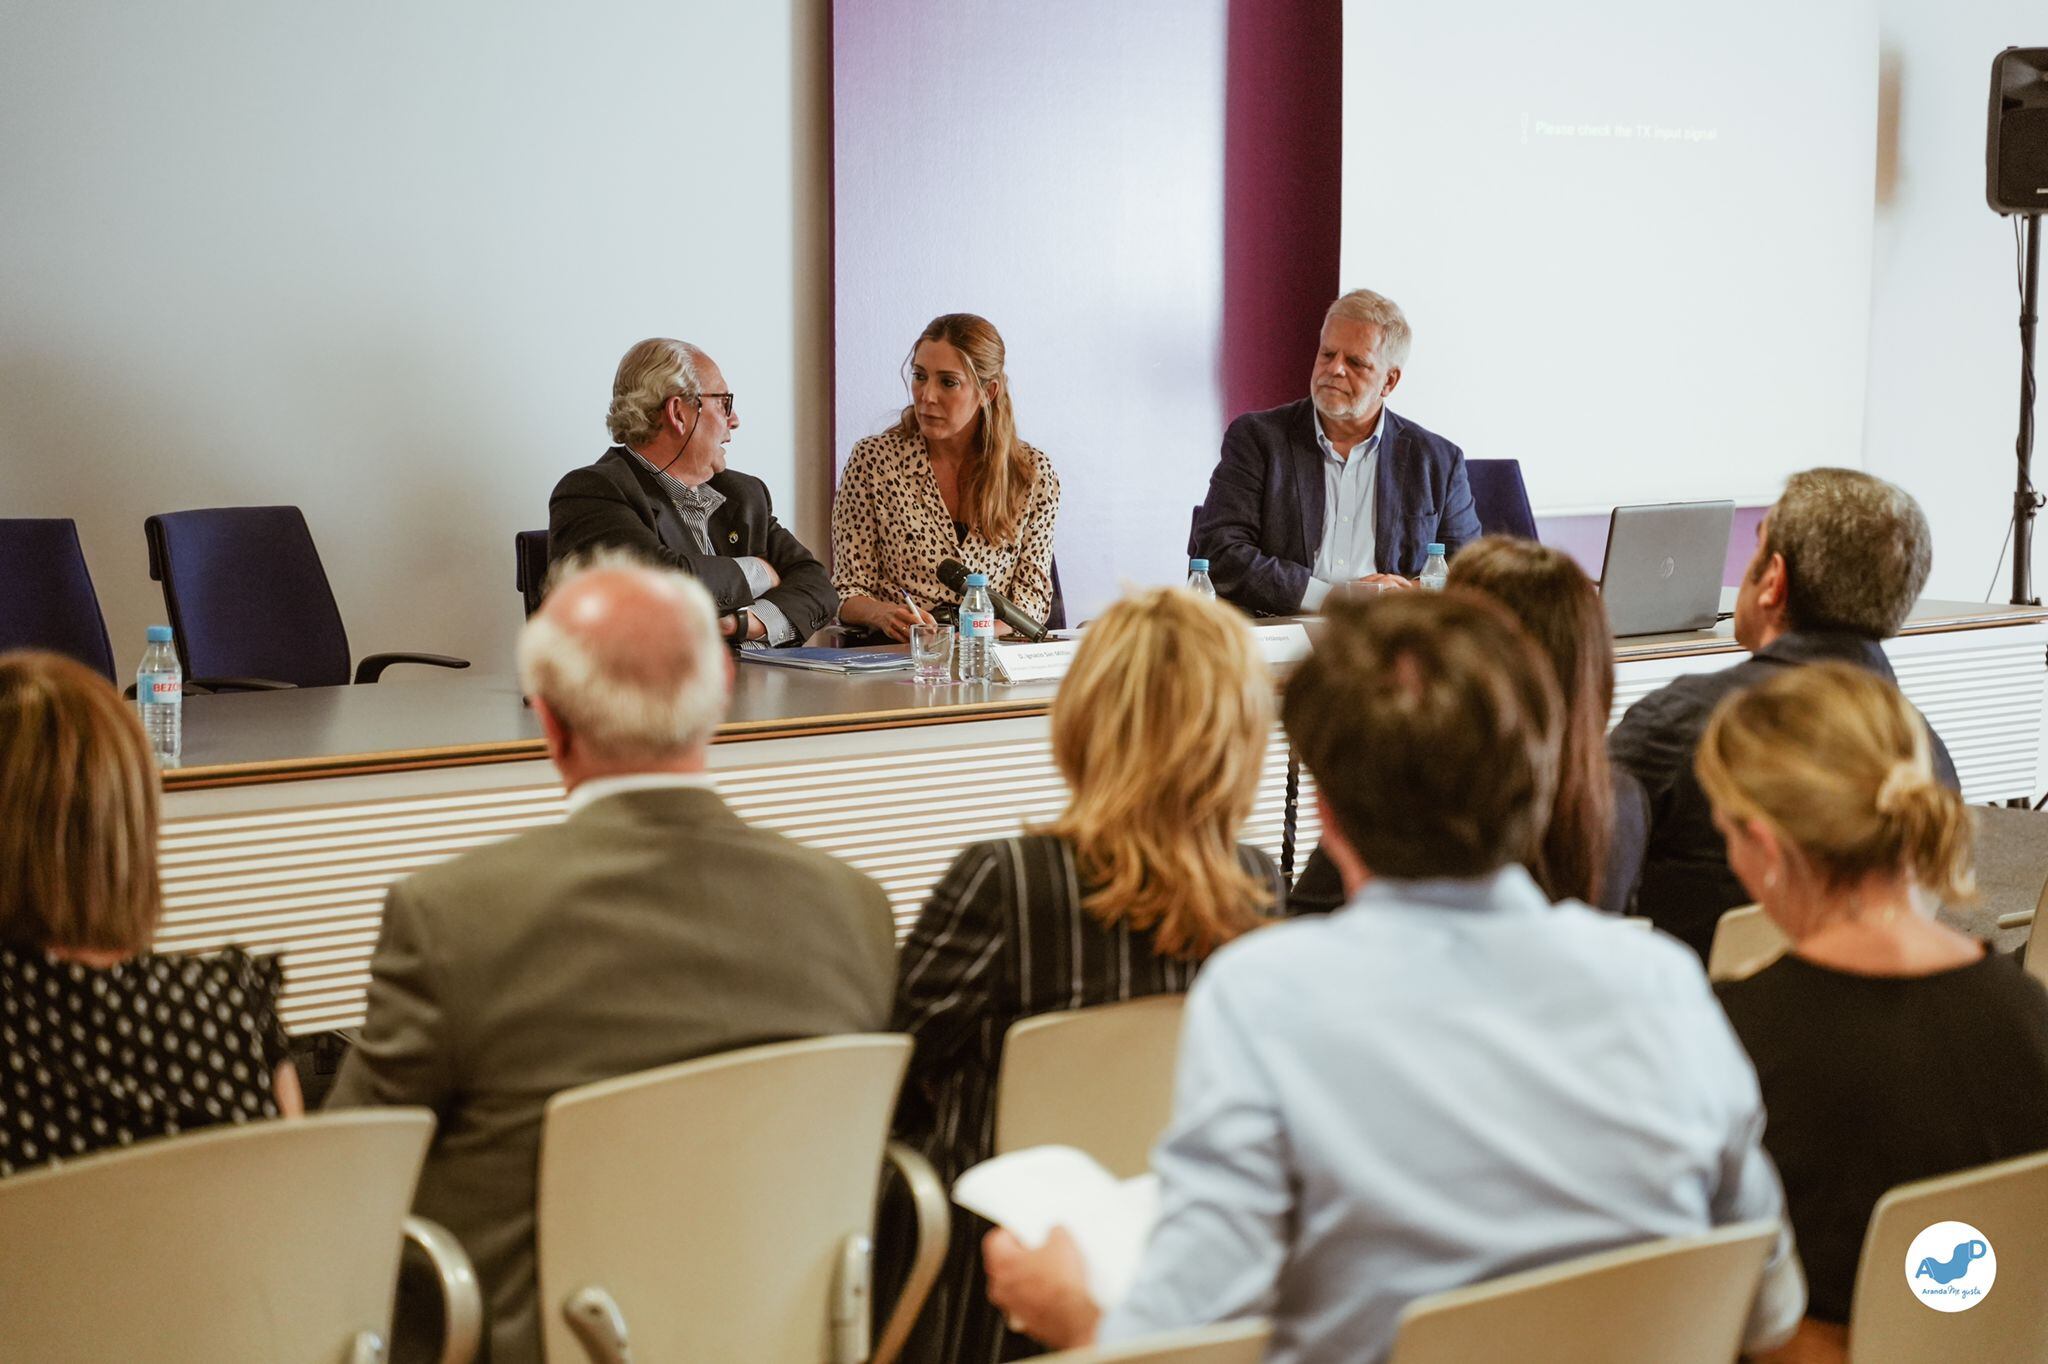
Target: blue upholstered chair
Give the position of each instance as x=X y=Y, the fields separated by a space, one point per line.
x=48 y=601
x=530 y=566
x=1056 y=608
x=250 y=601
x=1501 y=498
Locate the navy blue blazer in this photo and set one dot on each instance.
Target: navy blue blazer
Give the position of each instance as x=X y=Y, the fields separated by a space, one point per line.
x=1263 y=520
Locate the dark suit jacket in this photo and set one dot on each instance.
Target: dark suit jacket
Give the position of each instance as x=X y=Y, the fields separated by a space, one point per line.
x=617 y=504
x=1263 y=520
x=1687 y=884
x=650 y=927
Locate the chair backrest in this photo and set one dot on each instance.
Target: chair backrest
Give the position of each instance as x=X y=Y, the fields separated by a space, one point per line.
x=1056 y=609
x=247 y=595
x=276 y=1241
x=1679 y=1301
x=1231 y=1342
x=530 y=566
x=1745 y=942
x=713 y=1200
x=1100 y=1079
x=1500 y=498
x=49 y=602
x=2008 y=1203
x=2037 y=939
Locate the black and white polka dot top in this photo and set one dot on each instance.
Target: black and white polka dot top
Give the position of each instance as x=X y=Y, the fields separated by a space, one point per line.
x=98 y=1057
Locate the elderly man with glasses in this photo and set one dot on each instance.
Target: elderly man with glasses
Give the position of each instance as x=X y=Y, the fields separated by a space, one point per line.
x=663 y=492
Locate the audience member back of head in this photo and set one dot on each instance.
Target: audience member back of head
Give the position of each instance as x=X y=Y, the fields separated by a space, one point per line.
x=1592 y=848
x=1160 y=731
x=651 y=926
x=1890 y=1047
x=102 y=1042
x=1454 y=1079
x=1840 y=560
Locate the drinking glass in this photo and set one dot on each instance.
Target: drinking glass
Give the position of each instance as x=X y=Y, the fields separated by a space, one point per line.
x=931 y=653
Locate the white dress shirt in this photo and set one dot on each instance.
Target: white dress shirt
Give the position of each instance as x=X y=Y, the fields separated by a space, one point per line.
x=1442 y=1083
x=1346 y=551
x=597 y=788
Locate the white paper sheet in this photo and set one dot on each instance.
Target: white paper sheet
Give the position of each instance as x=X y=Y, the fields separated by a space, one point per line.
x=1030 y=1192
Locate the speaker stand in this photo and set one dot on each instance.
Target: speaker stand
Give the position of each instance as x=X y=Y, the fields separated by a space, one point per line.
x=2025 y=501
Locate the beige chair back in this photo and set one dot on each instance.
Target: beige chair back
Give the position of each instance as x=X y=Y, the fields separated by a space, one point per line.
x=1100 y=1079
x=1679 y=1301
x=1232 y=1342
x=2008 y=1202
x=277 y=1241
x=718 y=1207
x=1745 y=942
x=2037 y=940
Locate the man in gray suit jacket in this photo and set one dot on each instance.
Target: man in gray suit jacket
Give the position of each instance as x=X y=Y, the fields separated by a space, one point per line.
x=651 y=926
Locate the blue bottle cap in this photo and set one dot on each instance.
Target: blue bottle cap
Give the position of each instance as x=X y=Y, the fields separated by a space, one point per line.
x=1435 y=548
x=159 y=634
x=1198 y=565
x=977 y=580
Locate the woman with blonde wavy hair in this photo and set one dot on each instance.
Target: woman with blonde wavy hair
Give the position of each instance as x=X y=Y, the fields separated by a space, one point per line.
x=950 y=480
x=1889 y=1046
x=1160 y=730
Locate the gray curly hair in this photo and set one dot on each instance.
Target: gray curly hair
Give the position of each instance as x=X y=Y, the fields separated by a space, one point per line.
x=1857 y=551
x=651 y=373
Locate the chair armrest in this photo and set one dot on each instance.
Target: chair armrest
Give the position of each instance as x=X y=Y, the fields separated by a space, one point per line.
x=934 y=1234
x=462 y=1303
x=221 y=684
x=373 y=665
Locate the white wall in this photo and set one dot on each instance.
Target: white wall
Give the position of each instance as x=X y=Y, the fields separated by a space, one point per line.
x=1943 y=401
x=380 y=260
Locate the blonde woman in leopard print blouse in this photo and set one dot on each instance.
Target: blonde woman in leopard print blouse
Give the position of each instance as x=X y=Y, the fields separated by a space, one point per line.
x=949 y=481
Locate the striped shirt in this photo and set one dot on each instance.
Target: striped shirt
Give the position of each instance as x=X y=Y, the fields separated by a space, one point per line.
x=1003 y=937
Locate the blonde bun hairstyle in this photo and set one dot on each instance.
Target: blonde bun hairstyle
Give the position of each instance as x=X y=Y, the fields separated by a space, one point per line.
x=1834 y=759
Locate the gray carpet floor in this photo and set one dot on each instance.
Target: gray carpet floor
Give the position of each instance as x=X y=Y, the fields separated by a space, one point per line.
x=2012 y=865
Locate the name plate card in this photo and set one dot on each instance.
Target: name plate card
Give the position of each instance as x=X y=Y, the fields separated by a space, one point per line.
x=1047 y=662
x=1282 y=644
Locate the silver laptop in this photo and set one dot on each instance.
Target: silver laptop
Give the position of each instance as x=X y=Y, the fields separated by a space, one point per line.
x=1663 y=568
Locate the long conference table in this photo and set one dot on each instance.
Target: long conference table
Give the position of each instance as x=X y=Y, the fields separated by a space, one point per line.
x=294 y=810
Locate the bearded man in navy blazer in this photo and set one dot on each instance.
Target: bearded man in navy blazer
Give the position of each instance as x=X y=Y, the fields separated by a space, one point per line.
x=1333 y=488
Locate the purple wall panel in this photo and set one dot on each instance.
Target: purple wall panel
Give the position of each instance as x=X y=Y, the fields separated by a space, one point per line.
x=1283 y=206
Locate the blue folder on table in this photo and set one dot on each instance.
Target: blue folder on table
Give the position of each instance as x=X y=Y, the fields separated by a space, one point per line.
x=830 y=660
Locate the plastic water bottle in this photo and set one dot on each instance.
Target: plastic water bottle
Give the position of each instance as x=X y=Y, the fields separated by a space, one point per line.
x=1435 y=570
x=977 y=631
x=1198 y=579
x=160 y=697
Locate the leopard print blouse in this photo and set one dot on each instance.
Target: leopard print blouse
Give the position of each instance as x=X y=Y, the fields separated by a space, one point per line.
x=890 y=529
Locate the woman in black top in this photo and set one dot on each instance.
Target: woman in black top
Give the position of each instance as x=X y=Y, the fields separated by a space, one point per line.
x=102 y=1043
x=1600 y=821
x=1890 y=1048
x=1160 y=730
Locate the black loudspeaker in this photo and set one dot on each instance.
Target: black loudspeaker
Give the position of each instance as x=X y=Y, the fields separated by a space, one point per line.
x=2016 y=150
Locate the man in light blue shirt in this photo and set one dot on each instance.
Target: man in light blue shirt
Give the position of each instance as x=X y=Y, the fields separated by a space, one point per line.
x=1450 y=1079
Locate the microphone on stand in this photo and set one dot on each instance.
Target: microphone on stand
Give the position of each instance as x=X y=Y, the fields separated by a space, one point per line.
x=953 y=574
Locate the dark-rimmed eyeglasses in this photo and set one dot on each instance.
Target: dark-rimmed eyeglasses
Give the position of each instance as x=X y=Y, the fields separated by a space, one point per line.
x=725 y=398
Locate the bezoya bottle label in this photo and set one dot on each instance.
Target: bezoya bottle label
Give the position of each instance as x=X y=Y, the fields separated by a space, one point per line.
x=158 y=689
x=978 y=624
